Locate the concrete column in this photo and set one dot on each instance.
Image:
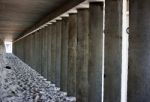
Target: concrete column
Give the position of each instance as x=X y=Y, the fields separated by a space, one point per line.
x=20 y=49
x=17 y=49
x=34 y=51
x=82 y=55
x=95 y=52
x=31 y=50
x=44 y=52
x=64 y=54
x=41 y=49
x=72 y=54
x=53 y=53
x=14 y=48
x=27 y=58
x=38 y=47
x=113 y=50
x=49 y=51
x=23 y=48
x=139 y=51
x=58 y=52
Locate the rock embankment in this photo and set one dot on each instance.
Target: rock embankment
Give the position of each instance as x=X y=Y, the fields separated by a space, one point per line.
x=20 y=83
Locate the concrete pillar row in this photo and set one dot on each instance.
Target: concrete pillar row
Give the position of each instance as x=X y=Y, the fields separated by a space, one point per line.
x=58 y=52
x=35 y=50
x=113 y=50
x=72 y=55
x=82 y=55
x=139 y=51
x=64 y=54
x=95 y=52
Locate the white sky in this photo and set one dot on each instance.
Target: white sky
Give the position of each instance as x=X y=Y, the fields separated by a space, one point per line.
x=8 y=46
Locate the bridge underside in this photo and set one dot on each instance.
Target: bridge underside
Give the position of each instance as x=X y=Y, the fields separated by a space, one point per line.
x=82 y=47
x=17 y=17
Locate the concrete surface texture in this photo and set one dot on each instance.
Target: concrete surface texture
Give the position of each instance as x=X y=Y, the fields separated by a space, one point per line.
x=113 y=50
x=72 y=55
x=82 y=55
x=95 y=52
x=139 y=52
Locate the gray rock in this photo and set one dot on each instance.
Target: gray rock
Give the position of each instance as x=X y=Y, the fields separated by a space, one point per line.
x=23 y=84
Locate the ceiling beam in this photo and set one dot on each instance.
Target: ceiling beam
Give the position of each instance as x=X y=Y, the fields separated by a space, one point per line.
x=52 y=15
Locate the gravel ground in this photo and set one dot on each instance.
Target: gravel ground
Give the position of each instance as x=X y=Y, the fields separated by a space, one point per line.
x=20 y=83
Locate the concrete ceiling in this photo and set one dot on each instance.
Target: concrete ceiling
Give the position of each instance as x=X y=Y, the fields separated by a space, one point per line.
x=16 y=16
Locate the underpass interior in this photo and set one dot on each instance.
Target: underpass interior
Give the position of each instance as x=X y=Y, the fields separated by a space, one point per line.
x=74 y=51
